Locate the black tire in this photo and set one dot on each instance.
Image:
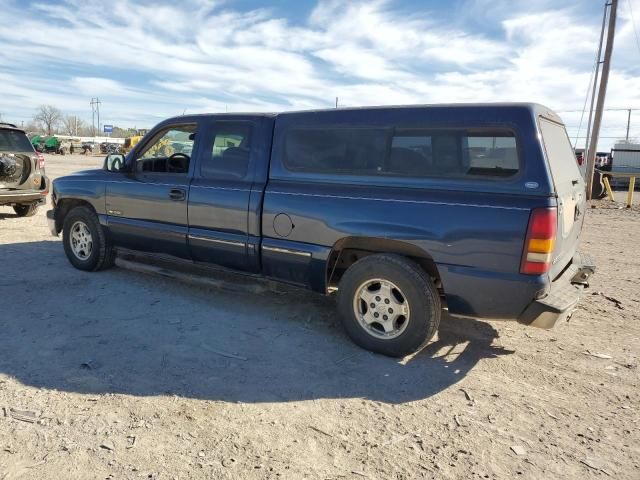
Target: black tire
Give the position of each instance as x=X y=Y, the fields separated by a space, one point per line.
x=597 y=187
x=26 y=210
x=102 y=252
x=418 y=290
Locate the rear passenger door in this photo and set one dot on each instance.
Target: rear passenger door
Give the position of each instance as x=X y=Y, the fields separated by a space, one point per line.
x=220 y=195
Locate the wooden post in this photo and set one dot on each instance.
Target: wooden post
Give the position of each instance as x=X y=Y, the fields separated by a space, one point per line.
x=632 y=186
x=597 y=119
x=607 y=186
x=595 y=82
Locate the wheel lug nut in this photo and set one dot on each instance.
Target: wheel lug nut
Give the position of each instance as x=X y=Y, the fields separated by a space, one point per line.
x=377 y=299
x=391 y=310
x=384 y=317
x=372 y=305
x=386 y=300
x=376 y=315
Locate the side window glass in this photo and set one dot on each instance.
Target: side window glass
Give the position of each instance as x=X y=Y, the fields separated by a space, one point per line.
x=450 y=153
x=230 y=152
x=359 y=151
x=169 y=151
x=491 y=155
x=411 y=154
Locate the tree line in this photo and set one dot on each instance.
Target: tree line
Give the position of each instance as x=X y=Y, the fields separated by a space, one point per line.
x=49 y=120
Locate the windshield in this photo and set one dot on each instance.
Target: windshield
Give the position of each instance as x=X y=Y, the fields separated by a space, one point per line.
x=14 y=141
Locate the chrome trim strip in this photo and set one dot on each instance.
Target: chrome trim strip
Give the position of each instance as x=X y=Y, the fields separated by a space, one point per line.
x=174 y=185
x=217 y=240
x=286 y=250
x=10 y=193
x=161 y=184
x=275 y=192
x=222 y=188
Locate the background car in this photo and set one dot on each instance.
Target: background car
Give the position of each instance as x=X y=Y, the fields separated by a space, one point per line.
x=23 y=184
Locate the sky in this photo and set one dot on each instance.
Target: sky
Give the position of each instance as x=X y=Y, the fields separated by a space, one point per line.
x=148 y=60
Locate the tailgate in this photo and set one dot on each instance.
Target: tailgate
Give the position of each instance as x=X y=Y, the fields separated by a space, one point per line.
x=570 y=190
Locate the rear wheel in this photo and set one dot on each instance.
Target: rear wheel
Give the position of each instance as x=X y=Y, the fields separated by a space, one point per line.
x=86 y=244
x=388 y=305
x=26 y=210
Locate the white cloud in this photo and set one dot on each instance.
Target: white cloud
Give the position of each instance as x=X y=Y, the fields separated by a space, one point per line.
x=148 y=60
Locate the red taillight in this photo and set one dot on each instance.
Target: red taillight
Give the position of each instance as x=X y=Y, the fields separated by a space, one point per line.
x=580 y=159
x=540 y=241
x=40 y=160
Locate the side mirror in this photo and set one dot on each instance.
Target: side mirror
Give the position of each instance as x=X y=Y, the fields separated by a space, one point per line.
x=114 y=162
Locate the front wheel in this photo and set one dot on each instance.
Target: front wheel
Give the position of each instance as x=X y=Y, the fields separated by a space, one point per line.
x=86 y=244
x=388 y=305
x=26 y=210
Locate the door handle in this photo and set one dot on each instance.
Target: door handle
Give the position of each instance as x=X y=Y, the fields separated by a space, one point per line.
x=177 y=194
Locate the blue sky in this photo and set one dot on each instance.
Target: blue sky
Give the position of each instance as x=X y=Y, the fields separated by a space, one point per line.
x=147 y=60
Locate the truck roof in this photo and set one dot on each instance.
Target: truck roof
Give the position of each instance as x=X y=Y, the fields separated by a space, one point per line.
x=10 y=126
x=535 y=108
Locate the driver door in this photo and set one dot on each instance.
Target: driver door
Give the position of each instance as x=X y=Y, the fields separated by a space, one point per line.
x=147 y=206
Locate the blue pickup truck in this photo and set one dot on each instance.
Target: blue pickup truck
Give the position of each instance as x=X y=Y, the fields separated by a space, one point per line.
x=403 y=211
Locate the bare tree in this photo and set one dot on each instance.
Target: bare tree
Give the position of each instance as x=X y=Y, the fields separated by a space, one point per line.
x=72 y=125
x=49 y=116
x=33 y=127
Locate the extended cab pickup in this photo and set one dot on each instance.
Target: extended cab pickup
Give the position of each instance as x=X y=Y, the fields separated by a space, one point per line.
x=402 y=210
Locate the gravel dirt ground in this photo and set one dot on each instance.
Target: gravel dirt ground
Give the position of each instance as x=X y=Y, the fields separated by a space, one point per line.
x=120 y=374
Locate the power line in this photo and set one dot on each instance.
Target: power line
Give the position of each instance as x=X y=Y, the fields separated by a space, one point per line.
x=633 y=24
x=617 y=137
x=586 y=99
x=606 y=110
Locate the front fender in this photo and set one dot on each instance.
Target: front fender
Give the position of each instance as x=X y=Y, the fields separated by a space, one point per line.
x=88 y=187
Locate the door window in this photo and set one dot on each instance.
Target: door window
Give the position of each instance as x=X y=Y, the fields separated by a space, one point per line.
x=230 y=151
x=169 y=151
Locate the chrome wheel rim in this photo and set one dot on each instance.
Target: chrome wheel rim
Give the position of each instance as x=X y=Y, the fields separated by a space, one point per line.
x=81 y=240
x=381 y=308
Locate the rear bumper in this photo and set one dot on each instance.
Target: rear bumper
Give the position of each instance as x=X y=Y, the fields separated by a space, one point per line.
x=563 y=296
x=19 y=197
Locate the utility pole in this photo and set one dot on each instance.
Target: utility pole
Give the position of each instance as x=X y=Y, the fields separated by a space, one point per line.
x=628 y=124
x=93 y=118
x=336 y=102
x=606 y=64
x=595 y=78
x=95 y=109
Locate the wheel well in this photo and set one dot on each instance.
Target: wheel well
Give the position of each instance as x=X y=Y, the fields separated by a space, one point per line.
x=64 y=206
x=348 y=251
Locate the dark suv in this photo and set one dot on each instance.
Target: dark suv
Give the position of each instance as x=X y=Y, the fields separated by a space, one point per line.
x=23 y=184
x=402 y=210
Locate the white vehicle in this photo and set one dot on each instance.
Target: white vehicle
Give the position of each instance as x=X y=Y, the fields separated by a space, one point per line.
x=626 y=157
